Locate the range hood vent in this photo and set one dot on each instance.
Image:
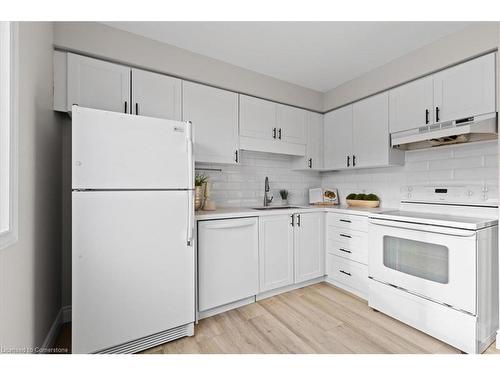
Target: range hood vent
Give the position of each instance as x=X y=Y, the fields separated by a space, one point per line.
x=468 y=129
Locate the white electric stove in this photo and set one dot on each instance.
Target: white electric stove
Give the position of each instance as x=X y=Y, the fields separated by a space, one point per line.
x=433 y=263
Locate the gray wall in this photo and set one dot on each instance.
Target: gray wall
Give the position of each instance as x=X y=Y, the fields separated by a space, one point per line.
x=106 y=42
x=469 y=42
x=30 y=270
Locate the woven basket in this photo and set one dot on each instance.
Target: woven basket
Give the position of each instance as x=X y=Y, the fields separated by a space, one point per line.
x=360 y=203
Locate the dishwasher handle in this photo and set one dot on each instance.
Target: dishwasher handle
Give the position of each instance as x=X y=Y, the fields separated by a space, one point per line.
x=226 y=225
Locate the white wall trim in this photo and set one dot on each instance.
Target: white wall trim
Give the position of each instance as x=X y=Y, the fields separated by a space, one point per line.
x=51 y=337
x=11 y=235
x=66 y=314
x=63 y=316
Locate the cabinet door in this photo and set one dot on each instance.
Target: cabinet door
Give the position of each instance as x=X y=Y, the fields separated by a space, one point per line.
x=309 y=246
x=465 y=90
x=214 y=114
x=156 y=95
x=291 y=124
x=411 y=105
x=337 y=139
x=275 y=252
x=314 y=147
x=257 y=117
x=98 y=84
x=371 y=131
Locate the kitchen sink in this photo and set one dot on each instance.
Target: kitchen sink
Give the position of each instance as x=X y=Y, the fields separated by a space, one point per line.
x=274 y=207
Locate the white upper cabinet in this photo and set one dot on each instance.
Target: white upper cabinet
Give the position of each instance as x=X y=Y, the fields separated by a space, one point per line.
x=97 y=84
x=337 y=141
x=314 y=147
x=465 y=90
x=371 y=131
x=357 y=136
x=411 y=105
x=257 y=118
x=314 y=144
x=275 y=252
x=291 y=124
x=269 y=127
x=309 y=246
x=214 y=114
x=156 y=95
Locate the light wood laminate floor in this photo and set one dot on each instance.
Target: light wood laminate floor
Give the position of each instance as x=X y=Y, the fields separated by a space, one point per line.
x=316 y=319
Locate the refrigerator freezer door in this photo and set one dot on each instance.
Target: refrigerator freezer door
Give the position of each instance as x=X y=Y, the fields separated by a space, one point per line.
x=119 y=151
x=133 y=272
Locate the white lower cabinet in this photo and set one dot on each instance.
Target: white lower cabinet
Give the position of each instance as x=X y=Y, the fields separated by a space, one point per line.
x=347 y=252
x=275 y=252
x=227 y=261
x=309 y=246
x=291 y=249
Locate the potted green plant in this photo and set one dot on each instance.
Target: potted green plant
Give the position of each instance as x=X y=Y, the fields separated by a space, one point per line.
x=199 y=184
x=363 y=200
x=284 y=197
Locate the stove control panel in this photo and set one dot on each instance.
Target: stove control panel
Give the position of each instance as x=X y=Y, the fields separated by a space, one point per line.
x=480 y=195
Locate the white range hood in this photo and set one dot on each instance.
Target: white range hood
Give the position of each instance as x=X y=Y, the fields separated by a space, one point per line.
x=457 y=131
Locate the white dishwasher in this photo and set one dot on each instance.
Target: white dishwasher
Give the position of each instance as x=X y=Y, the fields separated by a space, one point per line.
x=227 y=261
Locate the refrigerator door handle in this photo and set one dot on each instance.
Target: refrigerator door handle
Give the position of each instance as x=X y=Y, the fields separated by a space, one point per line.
x=190 y=224
x=190 y=161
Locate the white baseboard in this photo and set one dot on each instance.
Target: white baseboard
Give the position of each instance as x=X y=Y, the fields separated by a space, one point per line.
x=224 y=308
x=51 y=337
x=288 y=288
x=63 y=316
x=66 y=314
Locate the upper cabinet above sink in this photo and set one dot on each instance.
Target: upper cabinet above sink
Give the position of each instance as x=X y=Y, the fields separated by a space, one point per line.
x=271 y=127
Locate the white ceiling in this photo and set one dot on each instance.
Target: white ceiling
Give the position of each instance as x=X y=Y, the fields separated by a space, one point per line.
x=317 y=55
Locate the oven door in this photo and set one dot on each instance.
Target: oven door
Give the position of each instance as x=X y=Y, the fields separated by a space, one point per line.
x=436 y=263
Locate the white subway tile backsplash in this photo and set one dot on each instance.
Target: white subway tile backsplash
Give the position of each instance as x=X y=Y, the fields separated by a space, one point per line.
x=470 y=163
x=243 y=184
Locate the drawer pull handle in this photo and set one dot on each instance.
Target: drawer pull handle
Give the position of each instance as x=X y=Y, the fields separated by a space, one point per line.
x=345 y=251
x=345 y=235
x=345 y=221
x=345 y=273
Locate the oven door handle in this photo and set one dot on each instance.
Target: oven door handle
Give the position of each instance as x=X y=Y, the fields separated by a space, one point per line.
x=423 y=227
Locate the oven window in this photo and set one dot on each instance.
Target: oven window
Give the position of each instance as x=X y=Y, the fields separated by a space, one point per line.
x=420 y=259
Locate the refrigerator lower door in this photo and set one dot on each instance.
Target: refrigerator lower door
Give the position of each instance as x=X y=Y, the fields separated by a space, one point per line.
x=133 y=272
x=119 y=151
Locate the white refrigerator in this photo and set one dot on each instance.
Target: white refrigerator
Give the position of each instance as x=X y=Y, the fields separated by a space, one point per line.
x=133 y=263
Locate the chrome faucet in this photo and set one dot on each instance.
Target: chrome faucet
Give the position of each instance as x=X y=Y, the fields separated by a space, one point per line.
x=267 y=200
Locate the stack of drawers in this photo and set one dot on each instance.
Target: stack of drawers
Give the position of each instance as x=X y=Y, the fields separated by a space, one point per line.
x=347 y=252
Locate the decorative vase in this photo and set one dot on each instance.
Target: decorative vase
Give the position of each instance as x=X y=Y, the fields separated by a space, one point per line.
x=208 y=204
x=198 y=197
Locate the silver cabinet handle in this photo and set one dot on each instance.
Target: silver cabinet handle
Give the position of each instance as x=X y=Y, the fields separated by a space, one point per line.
x=345 y=235
x=345 y=251
x=345 y=273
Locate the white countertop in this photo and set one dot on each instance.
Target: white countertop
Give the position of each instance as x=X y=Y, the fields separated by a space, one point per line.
x=233 y=212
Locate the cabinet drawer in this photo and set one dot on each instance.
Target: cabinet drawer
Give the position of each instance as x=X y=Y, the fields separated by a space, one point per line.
x=349 y=273
x=348 y=221
x=348 y=244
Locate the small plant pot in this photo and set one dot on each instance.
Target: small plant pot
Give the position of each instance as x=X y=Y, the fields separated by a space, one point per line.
x=284 y=202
